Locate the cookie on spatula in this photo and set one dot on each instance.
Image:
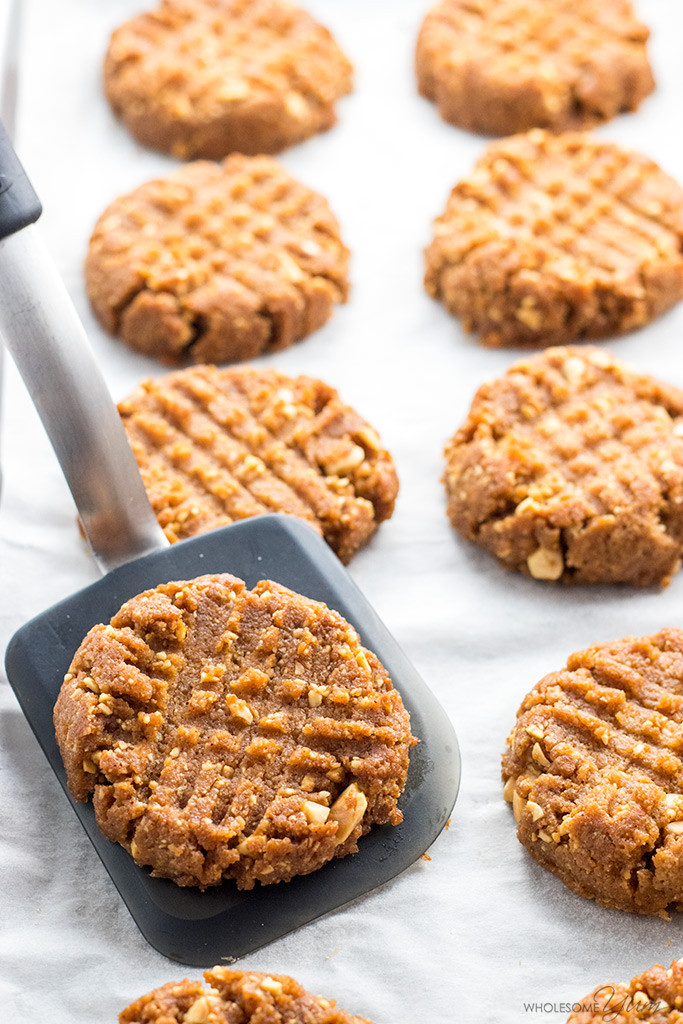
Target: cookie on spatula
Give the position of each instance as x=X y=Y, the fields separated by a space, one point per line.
x=228 y=733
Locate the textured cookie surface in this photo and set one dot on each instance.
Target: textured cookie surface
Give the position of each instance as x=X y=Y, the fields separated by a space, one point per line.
x=215 y=446
x=570 y=467
x=217 y=262
x=511 y=65
x=204 y=78
x=232 y=733
x=555 y=238
x=594 y=772
x=655 y=995
x=236 y=997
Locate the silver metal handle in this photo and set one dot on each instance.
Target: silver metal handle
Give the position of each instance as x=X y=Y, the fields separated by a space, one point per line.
x=9 y=80
x=47 y=341
x=9 y=87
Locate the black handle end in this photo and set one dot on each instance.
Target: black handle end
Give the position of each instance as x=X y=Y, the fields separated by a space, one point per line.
x=19 y=205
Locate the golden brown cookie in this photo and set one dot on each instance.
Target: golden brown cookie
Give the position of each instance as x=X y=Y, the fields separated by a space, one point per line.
x=512 y=65
x=570 y=468
x=215 y=446
x=232 y=733
x=594 y=773
x=236 y=997
x=217 y=262
x=555 y=238
x=655 y=995
x=204 y=78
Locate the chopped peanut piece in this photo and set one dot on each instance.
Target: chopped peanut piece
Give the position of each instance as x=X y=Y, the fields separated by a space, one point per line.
x=198 y=1012
x=348 y=809
x=545 y=564
x=316 y=814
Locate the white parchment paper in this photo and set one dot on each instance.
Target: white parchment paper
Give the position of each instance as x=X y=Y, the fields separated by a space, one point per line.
x=479 y=932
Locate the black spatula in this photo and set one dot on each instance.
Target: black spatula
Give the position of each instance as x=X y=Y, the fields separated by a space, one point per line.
x=41 y=329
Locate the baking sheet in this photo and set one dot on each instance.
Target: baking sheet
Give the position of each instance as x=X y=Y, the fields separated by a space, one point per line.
x=479 y=932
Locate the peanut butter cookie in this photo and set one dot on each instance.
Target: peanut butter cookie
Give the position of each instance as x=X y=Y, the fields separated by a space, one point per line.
x=570 y=468
x=214 y=446
x=236 y=997
x=217 y=262
x=594 y=773
x=204 y=78
x=557 y=238
x=232 y=733
x=512 y=65
x=656 y=995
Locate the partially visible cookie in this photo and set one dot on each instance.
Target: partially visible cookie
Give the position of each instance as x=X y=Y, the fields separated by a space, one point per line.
x=557 y=238
x=570 y=468
x=508 y=66
x=217 y=262
x=655 y=995
x=232 y=733
x=215 y=446
x=594 y=772
x=236 y=997
x=204 y=78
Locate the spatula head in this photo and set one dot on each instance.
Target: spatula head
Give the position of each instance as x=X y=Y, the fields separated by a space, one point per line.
x=203 y=928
